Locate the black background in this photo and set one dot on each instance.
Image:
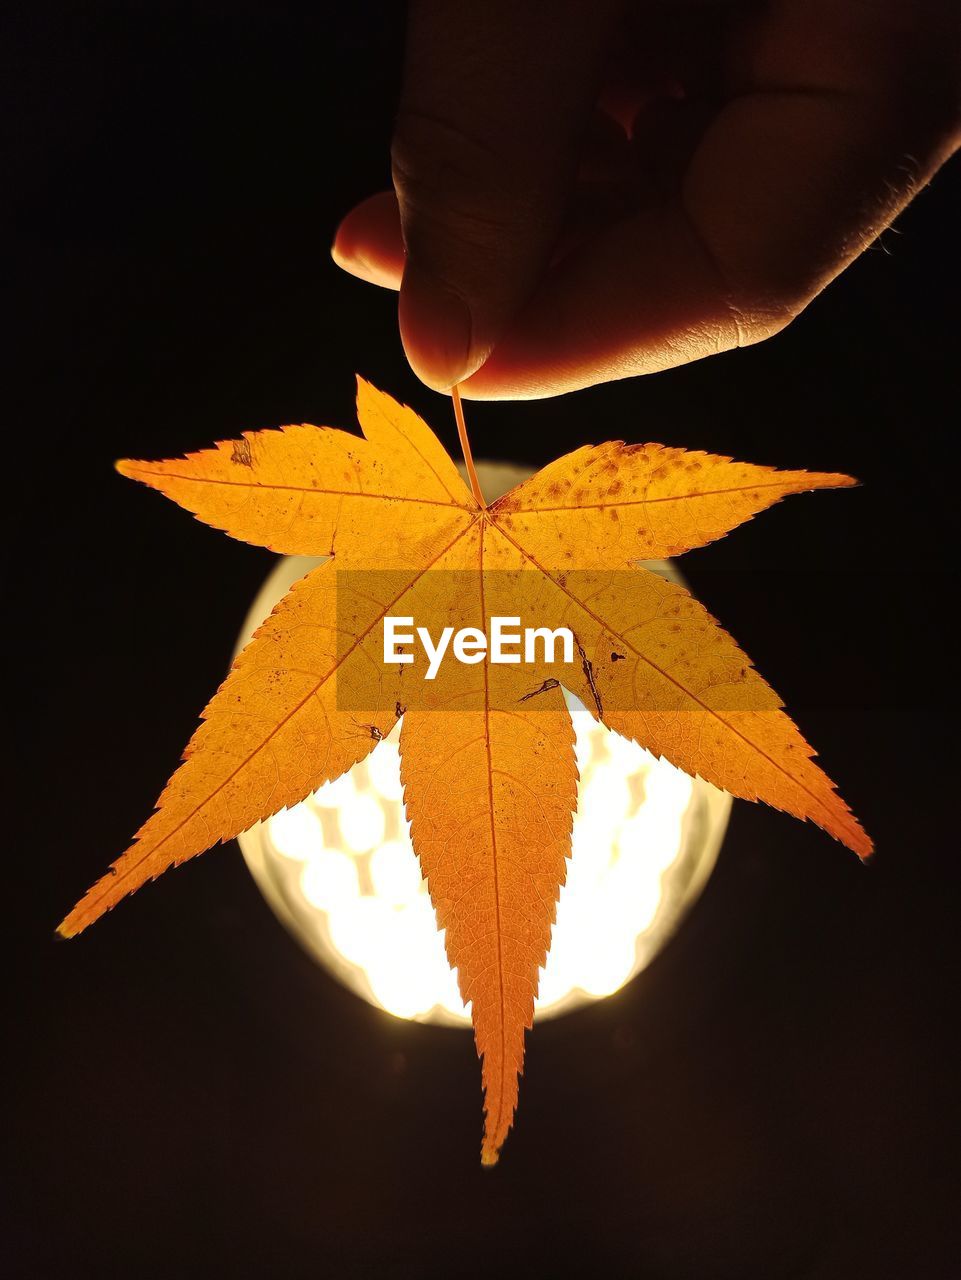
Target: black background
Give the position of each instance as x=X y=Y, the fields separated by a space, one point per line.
x=776 y=1096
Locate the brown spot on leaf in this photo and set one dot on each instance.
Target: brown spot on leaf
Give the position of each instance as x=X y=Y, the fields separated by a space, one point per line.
x=588 y=668
x=543 y=688
x=241 y=453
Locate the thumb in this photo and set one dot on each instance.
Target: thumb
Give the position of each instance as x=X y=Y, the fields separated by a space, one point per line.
x=495 y=98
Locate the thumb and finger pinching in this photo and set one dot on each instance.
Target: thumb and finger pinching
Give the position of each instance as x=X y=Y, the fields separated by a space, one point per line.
x=783 y=191
x=486 y=142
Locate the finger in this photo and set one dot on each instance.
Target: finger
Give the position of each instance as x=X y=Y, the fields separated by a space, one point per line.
x=792 y=181
x=494 y=102
x=641 y=297
x=368 y=242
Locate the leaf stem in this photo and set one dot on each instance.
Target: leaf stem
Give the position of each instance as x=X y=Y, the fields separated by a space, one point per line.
x=465 y=445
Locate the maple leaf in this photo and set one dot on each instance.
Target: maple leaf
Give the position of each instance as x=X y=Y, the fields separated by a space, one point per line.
x=487 y=750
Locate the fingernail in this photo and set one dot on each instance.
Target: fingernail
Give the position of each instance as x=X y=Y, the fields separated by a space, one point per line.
x=436 y=329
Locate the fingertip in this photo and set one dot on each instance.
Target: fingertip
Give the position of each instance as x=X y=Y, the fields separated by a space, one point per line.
x=437 y=331
x=368 y=244
x=356 y=264
x=348 y=261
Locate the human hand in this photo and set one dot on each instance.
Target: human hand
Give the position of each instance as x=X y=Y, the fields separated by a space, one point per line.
x=589 y=191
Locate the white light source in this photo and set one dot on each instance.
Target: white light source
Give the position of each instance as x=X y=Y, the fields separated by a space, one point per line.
x=340 y=871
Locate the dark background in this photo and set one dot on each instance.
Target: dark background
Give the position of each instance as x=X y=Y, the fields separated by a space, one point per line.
x=776 y=1096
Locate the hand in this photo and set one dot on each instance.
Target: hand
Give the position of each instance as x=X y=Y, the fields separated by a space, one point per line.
x=589 y=190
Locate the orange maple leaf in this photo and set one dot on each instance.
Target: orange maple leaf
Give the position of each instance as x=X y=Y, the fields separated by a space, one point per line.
x=487 y=749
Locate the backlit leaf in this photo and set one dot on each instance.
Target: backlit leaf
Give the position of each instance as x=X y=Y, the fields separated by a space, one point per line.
x=487 y=749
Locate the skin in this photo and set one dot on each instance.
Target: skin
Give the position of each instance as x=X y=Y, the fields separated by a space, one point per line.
x=586 y=191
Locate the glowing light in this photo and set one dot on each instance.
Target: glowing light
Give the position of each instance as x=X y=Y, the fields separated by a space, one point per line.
x=356 y=929
x=341 y=872
x=333 y=794
x=295 y=832
x=395 y=873
x=383 y=769
x=362 y=822
x=328 y=880
x=361 y=881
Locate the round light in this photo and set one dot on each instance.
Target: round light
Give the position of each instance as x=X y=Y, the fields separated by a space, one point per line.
x=340 y=871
